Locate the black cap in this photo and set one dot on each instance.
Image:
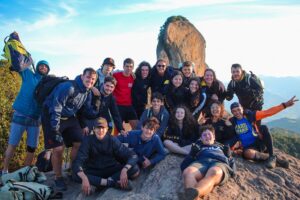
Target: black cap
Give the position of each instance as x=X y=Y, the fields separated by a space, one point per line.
x=235 y=105
x=109 y=61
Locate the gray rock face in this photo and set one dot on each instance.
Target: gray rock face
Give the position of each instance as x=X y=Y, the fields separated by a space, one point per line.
x=253 y=181
x=180 y=41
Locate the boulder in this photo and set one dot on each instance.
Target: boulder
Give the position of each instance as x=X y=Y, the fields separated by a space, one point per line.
x=252 y=181
x=180 y=41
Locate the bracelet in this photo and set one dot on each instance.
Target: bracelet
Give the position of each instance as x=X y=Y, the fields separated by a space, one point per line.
x=284 y=105
x=126 y=167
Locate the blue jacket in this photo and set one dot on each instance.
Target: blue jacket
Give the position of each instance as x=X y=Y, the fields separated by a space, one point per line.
x=65 y=101
x=162 y=116
x=152 y=149
x=25 y=102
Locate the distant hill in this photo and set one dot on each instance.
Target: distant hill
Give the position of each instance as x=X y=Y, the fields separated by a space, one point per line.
x=287 y=141
x=286 y=123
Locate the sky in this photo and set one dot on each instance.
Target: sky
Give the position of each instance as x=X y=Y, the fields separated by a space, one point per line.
x=263 y=36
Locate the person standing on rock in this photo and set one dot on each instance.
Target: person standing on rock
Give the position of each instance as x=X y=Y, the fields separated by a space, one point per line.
x=255 y=140
x=123 y=91
x=105 y=70
x=247 y=87
x=206 y=166
x=187 y=69
x=59 y=119
x=160 y=76
x=146 y=143
x=140 y=88
x=26 y=115
x=98 y=161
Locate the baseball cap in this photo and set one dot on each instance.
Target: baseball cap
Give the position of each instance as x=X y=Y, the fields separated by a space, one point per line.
x=235 y=105
x=109 y=61
x=101 y=122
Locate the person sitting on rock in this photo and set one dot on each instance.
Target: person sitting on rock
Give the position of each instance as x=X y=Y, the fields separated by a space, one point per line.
x=224 y=131
x=145 y=143
x=102 y=160
x=181 y=132
x=206 y=166
x=157 y=110
x=253 y=139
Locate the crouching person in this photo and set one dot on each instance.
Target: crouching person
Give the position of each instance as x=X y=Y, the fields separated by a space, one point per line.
x=97 y=161
x=206 y=166
x=146 y=143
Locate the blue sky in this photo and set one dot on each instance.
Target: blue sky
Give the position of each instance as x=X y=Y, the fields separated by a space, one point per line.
x=263 y=36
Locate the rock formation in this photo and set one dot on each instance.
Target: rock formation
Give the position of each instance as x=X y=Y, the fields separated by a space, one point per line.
x=252 y=181
x=179 y=41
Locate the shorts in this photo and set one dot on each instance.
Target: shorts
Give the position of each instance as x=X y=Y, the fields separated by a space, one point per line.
x=69 y=129
x=16 y=133
x=204 y=165
x=127 y=113
x=258 y=145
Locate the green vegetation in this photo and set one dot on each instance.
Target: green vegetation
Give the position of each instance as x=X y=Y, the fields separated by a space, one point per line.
x=287 y=141
x=10 y=84
x=164 y=27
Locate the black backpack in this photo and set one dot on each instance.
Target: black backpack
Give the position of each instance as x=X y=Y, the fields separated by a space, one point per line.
x=45 y=87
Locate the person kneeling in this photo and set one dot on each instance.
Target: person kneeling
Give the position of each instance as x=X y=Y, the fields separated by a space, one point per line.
x=97 y=162
x=206 y=166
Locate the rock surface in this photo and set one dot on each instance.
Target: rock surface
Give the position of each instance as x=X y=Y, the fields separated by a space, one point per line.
x=253 y=181
x=180 y=41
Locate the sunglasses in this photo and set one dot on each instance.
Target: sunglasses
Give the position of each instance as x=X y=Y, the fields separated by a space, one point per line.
x=162 y=66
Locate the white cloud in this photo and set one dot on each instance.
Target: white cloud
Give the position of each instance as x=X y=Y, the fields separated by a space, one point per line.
x=164 y=5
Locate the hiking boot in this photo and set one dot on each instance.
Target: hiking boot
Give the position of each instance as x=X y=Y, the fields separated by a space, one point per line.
x=282 y=163
x=60 y=184
x=271 y=162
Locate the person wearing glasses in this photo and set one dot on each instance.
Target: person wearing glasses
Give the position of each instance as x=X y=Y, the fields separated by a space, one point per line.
x=160 y=76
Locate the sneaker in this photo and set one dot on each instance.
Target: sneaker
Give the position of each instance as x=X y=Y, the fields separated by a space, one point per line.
x=60 y=184
x=271 y=162
x=282 y=163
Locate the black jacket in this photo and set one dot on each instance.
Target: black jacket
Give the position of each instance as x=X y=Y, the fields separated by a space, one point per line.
x=139 y=94
x=222 y=131
x=182 y=137
x=157 y=82
x=174 y=96
x=248 y=91
x=98 y=154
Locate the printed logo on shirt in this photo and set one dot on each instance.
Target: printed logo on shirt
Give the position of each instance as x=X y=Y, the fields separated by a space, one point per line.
x=241 y=128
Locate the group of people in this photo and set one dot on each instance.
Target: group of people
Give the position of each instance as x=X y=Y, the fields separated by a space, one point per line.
x=185 y=116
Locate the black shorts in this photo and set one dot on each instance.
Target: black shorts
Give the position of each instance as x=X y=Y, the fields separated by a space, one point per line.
x=69 y=129
x=258 y=145
x=127 y=113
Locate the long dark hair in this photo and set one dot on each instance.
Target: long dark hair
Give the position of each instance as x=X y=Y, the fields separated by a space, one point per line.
x=189 y=122
x=138 y=71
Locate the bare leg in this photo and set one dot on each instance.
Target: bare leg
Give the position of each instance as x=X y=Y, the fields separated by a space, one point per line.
x=252 y=154
x=191 y=176
x=213 y=177
x=175 y=148
x=9 y=153
x=74 y=151
x=57 y=158
x=29 y=158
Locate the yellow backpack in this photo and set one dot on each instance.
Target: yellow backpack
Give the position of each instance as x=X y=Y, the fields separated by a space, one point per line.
x=17 y=58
